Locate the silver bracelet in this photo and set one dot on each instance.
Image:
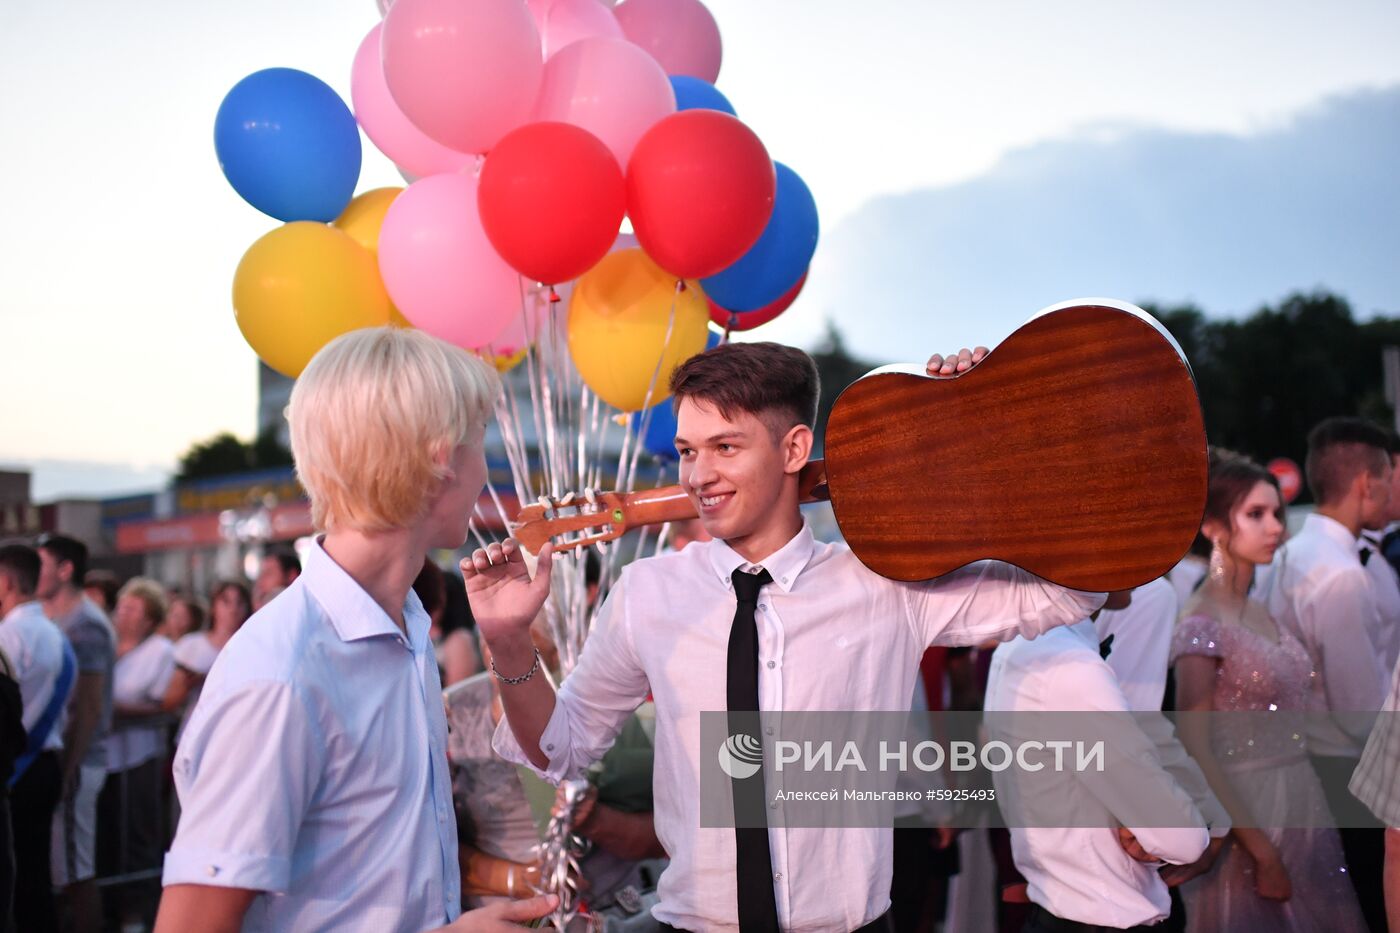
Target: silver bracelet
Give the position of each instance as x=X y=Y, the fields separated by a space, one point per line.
x=512 y=681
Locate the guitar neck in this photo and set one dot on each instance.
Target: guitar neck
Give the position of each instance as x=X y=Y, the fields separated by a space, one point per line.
x=671 y=504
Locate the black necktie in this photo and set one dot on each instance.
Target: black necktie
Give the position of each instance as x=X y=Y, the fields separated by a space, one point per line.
x=1365 y=555
x=758 y=912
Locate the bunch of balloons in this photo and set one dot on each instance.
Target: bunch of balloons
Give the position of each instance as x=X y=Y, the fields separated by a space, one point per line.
x=527 y=131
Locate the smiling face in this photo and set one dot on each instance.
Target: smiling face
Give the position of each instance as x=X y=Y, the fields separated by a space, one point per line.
x=736 y=469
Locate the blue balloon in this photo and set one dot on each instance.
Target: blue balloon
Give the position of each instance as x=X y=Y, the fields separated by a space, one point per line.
x=779 y=258
x=698 y=94
x=660 y=437
x=289 y=145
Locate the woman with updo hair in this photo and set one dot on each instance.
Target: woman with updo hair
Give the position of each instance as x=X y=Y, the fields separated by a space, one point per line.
x=1282 y=867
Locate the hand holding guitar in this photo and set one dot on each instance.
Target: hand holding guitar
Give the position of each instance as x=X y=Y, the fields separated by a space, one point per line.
x=954 y=364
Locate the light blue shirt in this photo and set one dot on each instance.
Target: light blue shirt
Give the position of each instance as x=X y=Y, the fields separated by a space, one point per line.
x=314 y=768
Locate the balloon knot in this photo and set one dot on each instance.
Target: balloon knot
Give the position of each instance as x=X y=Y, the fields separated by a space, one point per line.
x=553 y=296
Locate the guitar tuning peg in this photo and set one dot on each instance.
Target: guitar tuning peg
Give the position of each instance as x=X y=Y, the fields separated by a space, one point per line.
x=568 y=497
x=590 y=495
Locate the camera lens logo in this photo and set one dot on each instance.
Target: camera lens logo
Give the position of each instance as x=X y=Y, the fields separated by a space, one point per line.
x=741 y=756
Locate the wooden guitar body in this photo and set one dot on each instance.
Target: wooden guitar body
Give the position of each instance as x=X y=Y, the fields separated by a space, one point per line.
x=1076 y=450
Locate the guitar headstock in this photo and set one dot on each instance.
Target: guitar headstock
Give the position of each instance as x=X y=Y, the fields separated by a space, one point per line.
x=587 y=519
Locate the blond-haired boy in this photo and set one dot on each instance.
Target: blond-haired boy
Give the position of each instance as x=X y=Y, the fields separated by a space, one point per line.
x=312 y=775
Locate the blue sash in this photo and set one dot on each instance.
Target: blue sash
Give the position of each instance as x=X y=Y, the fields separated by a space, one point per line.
x=40 y=733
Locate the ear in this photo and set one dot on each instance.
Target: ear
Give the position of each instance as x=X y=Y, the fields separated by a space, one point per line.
x=797 y=448
x=1214 y=530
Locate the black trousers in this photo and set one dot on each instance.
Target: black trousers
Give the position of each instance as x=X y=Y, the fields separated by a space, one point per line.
x=1041 y=920
x=881 y=924
x=32 y=802
x=1363 y=836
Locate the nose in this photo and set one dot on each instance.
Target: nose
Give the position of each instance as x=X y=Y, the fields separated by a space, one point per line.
x=702 y=471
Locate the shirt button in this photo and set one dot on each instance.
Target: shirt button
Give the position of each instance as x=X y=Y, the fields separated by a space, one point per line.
x=549 y=748
x=769 y=730
x=212 y=870
x=772 y=664
x=778 y=876
x=762 y=607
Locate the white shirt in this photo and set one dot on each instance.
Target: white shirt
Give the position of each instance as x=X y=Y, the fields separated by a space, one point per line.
x=1386 y=588
x=195 y=653
x=315 y=767
x=140 y=676
x=1082 y=873
x=35 y=646
x=1317 y=588
x=1142 y=640
x=1186 y=576
x=832 y=635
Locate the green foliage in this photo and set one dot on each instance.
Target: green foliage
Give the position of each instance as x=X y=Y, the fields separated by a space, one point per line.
x=1266 y=379
x=223 y=454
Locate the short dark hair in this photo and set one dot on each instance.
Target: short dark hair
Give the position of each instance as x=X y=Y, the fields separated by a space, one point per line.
x=107 y=583
x=20 y=563
x=1341 y=449
x=1232 y=476
x=286 y=559
x=776 y=383
x=66 y=550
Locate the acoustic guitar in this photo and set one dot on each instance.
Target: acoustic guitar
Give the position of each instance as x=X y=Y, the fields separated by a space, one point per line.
x=1075 y=450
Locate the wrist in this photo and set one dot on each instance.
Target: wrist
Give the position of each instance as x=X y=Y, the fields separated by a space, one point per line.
x=513 y=652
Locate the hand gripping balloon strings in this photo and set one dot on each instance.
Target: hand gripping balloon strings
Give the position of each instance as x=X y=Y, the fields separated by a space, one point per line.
x=557 y=855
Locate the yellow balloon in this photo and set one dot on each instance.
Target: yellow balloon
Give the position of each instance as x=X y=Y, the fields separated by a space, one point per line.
x=301 y=286
x=618 y=318
x=362 y=219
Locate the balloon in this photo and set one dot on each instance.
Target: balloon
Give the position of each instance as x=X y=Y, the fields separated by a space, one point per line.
x=551 y=199
x=610 y=88
x=561 y=22
x=748 y=320
x=406 y=145
x=439 y=267
x=362 y=220
x=466 y=72
x=680 y=34
x=781 y=255
x=288 y=144
x=301 y=286
x=618 y=319
x=700 y=190
x=523 y=328
x=660 y=435
x=697 y=94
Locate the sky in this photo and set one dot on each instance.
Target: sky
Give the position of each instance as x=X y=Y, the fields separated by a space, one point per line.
x=929 y=132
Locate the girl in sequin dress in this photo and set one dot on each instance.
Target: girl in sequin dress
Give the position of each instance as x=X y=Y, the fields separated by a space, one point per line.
x=1230 y=657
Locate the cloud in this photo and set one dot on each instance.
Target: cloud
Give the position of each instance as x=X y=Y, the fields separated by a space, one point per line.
x=1140 y=214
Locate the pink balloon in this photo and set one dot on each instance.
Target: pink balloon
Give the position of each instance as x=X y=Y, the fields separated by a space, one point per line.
x=406 y=145
x=466 y=72
x=561 y=22
x=523 y=328
x=439 y=267
x=610 y=88
x=680 y=34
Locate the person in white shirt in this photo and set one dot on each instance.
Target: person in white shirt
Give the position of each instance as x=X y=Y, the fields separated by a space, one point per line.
x=1136 y=642
x=811 y=629
x=313 y=773
x=130 y=829
x=1102 y=869
x=1380 y=571
x=36 y=648
x=1318 y=589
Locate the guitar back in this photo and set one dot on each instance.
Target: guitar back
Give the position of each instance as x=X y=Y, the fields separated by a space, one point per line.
x=1075 y=450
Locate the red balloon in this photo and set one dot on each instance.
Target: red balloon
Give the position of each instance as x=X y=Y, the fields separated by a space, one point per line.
x=748 y=320
x=700 y=191
x=551 y=199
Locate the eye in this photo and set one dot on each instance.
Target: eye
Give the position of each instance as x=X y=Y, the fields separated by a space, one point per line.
x=725 y=447
x=685 y=451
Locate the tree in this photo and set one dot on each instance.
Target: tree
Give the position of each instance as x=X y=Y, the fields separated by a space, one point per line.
x=837 y=369
x=224 y=453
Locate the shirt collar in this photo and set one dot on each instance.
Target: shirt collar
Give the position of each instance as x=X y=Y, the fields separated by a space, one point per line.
x=33 y=607
x=782 y=565
x=1330 y=528
x=353 y=613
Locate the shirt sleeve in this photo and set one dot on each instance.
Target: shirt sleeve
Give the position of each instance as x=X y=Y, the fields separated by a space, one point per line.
x=991 y=600
x=1336 y=619
x=591 y=706
x=1133 y=785
x=245 y=769
x=94 y=650
x=1178 y=763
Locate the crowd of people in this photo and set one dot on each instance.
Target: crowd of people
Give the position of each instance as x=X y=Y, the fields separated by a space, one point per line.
x=314 y=778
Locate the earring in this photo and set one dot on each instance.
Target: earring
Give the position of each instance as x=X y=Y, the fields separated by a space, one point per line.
x=1217 y=561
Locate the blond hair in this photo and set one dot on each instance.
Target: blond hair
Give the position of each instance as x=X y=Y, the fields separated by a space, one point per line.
x=151 y=594
x=374 y=419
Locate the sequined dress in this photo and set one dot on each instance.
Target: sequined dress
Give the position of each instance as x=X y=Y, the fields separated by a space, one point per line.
x=1266 y=760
